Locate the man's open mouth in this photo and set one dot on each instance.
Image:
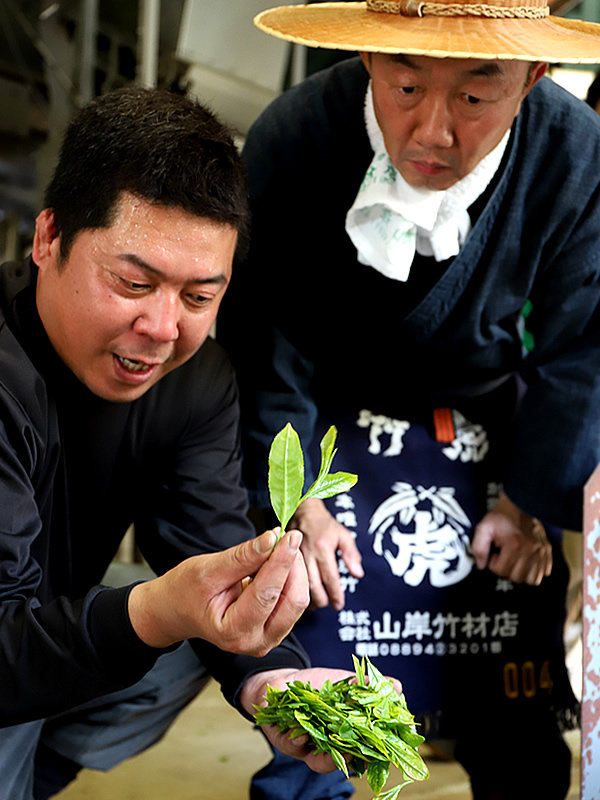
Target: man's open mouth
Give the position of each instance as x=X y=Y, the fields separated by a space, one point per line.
x=132 y=365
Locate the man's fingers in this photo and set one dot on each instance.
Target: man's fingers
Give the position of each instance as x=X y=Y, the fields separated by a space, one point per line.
x=251 y=554
x=244 y=599
x=273 y=601
x=292 y=603
x=351 y=556
x=247 y=558
x=323 y=576
x=319 y=597
x=528 y=566
x=331 y=580
x=321 y=554
x=541 y=568
x=503 y=564
x=512 y=545
x=481 y=544
x=324 y=539
x=272 y=575
x=299 y=747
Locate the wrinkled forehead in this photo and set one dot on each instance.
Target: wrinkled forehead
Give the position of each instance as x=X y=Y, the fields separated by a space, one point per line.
x=469 y=67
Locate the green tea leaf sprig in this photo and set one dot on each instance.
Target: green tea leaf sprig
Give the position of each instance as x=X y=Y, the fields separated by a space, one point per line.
x=365 y=719
x=286 y=474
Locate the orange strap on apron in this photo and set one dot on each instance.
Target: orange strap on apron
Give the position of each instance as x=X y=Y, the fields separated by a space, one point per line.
x=444 y=425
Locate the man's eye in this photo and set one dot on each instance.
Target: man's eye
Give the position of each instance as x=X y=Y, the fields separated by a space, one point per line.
x=472 y=100
x=198 y=299
x=135 y=286
x=408 y=89
x=127 y=284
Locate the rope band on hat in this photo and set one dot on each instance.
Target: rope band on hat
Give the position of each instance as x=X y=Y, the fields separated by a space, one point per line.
x=418 y=8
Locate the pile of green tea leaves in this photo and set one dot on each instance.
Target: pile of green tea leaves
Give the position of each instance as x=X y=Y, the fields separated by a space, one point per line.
x=364 y=718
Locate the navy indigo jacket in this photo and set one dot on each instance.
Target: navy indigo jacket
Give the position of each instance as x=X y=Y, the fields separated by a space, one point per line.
x=309 y=328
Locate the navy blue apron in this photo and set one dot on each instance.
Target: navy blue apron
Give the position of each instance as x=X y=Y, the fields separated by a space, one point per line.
x=460 y=639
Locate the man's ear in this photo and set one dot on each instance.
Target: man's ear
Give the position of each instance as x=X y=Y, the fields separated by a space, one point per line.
x=366 y=59
x=46 y=240
x=537 y=71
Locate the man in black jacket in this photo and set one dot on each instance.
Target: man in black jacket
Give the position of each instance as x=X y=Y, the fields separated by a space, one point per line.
x=116 y=408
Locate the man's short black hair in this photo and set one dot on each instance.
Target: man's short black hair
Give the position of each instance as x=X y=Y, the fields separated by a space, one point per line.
x=160 y=146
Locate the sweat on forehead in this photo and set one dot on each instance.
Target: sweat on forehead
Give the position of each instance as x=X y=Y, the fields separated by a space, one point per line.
x=159 y=146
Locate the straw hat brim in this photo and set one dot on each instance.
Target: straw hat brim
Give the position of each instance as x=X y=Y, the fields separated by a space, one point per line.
x=350 y=26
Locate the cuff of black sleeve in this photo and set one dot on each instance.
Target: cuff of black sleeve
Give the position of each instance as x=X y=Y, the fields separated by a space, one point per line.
x=117 y=644
x=232 y=670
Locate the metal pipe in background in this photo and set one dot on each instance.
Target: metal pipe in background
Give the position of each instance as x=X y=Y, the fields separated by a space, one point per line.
x=148 y=42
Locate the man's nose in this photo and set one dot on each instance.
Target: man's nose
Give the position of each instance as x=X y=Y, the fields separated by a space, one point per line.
x=160 y=318
x=434 y=126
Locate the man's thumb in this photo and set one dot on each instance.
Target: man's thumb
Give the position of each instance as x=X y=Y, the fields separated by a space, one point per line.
x=252 y=554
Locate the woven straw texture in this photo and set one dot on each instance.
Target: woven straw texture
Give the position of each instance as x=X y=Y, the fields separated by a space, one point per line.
x=351 y=26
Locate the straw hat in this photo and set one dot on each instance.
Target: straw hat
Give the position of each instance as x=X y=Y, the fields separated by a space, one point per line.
x=495 y=29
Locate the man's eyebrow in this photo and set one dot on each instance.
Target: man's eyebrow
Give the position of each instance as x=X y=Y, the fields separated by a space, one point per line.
x=132 y=258
x=404 y=61
x=489 y=69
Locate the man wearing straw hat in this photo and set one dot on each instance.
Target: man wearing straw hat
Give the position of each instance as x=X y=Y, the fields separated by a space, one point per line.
x=424 y=273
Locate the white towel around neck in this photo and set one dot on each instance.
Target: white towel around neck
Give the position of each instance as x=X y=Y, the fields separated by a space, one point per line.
x=390 y=220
